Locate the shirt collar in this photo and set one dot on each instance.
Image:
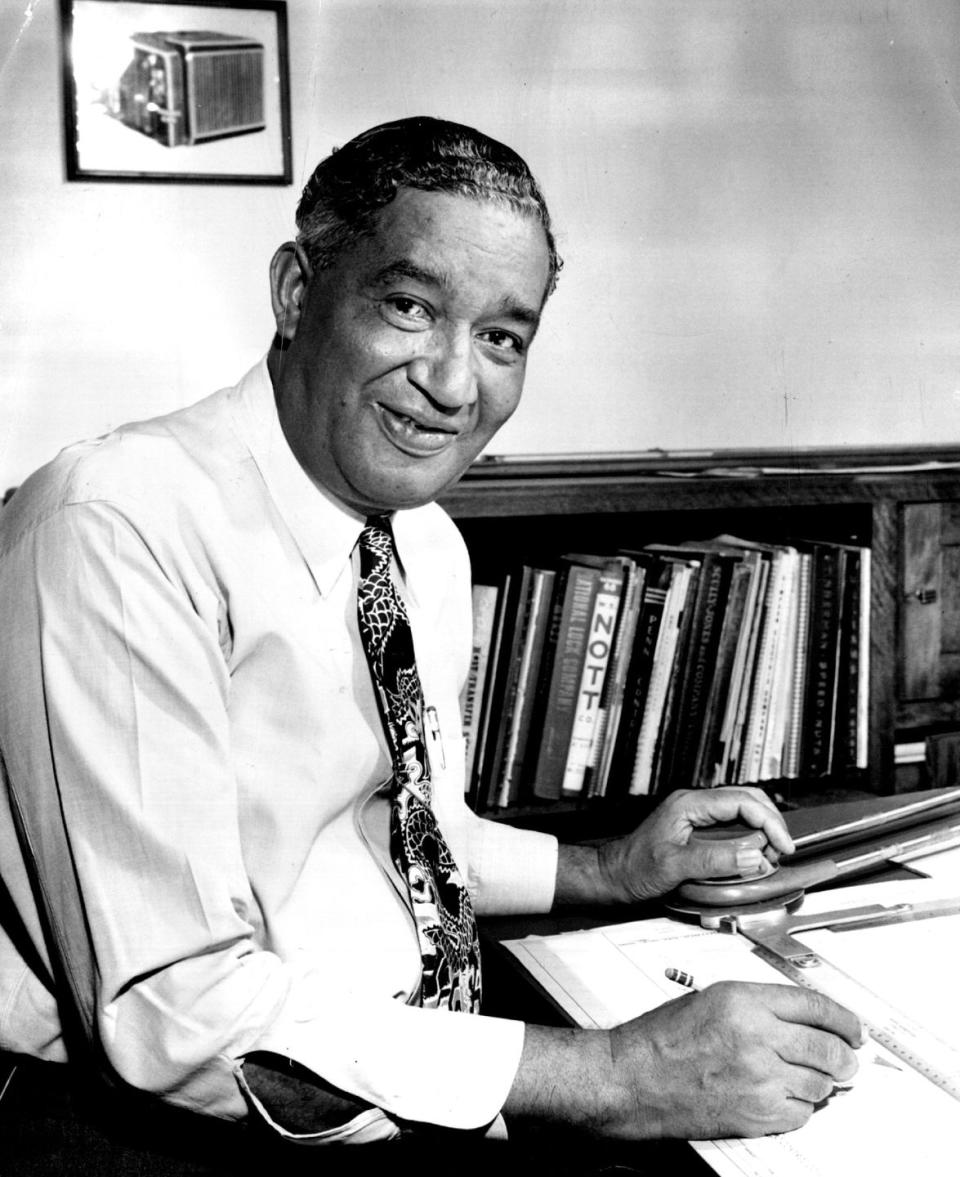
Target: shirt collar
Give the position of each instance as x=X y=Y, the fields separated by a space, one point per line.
x=324 y=529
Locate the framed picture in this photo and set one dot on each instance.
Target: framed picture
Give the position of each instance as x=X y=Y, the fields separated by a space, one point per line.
x=192 y=92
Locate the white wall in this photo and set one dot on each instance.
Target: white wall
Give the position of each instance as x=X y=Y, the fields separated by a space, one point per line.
x=758 y=202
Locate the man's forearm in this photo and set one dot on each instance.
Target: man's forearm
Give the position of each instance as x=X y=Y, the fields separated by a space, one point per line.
x=662 y=852
x=582 y=877
x=566 y=1077
x=298 y=1100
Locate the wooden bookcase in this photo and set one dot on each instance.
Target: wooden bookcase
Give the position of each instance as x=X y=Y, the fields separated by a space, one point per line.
x=903 y=503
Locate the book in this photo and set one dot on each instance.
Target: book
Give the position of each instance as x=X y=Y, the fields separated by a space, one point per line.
x=743 y=675
x=656 y=581
x=601 y=634
x=863 y=678
x=784 y=658
x=758 y=706
x=794 y=733
x=758 y=731
x=822 y=652
x=512 y=767
x=545 y=676
x=843 y=556
x=579 y=590
x=486 y=733
x=661 y=672
x=611 y=703
x=672 y=707
x=709 y=748
x=517 y=599
x=848 y=703
x=471 y=700
x=698 y=659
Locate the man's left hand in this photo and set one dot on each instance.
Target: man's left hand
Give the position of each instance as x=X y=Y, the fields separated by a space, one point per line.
x=659 y=855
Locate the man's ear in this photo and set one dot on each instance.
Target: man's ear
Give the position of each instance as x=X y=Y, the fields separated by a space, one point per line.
x=289 y=275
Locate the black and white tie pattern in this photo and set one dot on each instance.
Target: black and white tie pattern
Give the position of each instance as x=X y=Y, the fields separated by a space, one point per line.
x=442 y=910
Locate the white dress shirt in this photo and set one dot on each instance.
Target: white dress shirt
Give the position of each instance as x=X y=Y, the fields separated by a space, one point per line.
x=189 y=829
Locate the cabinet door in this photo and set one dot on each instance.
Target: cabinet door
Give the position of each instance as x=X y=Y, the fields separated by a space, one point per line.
x=930 y=602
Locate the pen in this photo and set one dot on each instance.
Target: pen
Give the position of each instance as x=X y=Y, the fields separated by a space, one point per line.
x=433 y=726
x=681 y=978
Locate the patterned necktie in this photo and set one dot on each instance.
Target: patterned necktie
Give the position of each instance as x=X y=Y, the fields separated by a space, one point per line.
x=442 y=910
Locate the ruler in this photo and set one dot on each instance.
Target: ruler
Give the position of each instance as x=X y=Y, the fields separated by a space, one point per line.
x=904 y=1037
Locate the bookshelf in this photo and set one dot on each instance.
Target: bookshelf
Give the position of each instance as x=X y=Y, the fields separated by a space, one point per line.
x=903 y=503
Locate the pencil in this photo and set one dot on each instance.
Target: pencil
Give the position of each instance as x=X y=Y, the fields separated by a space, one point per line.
x=681 y=978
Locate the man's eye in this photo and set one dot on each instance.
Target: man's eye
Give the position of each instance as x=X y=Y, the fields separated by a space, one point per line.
x=407 y=308
x=503 y=340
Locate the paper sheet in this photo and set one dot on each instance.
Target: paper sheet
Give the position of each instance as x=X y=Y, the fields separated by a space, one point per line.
x=913 y=966
x=890 y=1122
x=943 y=865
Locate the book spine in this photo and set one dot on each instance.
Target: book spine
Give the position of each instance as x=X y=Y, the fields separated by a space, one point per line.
x=863 y=678
x=835 y=686
x=611 y=707
x=484 y=610
x=848 y=671
x=751 y=767
x=700 y=668
x=488 y=720
x=600 y=638
x=736 y=748
x=638 y=681
x=821 y=662
x=708 y=750
x=774 y=737
x=660 y=672
x=534 y=637
x=666 y=737
x=548 y=659
x=612 y=681
x=565 y=681
x=505 y=684
x=794 y=735
x=738 y=690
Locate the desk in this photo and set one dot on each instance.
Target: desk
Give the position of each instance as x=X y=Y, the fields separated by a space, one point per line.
x=511 y=991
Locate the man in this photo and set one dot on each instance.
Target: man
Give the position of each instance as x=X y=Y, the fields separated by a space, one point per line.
x=238 y=878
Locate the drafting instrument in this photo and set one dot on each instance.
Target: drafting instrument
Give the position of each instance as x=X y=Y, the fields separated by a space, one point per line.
x=787 y=883
x=771 y=931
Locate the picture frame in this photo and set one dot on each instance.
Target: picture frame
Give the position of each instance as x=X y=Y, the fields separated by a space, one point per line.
x=191 y=92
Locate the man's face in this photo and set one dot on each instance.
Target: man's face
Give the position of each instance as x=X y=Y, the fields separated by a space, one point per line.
x=408 y=354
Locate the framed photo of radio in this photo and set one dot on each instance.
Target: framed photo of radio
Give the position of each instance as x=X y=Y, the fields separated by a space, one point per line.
x=196 y=91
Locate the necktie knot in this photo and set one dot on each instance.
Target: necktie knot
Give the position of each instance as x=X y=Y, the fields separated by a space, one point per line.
x=376 y=529
x=375 y=544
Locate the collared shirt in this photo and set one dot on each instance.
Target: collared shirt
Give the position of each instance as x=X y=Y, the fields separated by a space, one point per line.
x=191 y=751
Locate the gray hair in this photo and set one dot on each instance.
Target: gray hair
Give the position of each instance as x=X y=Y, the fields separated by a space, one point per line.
x=340 y=200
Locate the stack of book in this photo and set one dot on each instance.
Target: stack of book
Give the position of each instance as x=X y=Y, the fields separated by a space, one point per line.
x=689 y=666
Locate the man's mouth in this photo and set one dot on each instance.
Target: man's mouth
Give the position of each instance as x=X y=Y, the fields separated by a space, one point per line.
x=413 y=435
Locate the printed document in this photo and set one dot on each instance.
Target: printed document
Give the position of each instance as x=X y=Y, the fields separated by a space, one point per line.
x=890 y=1121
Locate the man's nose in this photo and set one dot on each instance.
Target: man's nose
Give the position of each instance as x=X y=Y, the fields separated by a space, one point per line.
x=445 y=369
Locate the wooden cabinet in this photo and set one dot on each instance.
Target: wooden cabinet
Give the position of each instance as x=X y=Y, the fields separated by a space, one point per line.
x=929 y=661
x=903 y=504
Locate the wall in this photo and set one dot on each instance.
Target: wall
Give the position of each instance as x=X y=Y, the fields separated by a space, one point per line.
x=757 y=202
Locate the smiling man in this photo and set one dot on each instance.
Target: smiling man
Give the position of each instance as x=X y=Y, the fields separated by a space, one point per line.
x=423 y=329
x=239 y=877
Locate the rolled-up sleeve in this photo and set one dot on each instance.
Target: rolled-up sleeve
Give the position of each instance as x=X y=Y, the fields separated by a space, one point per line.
x=512 y=871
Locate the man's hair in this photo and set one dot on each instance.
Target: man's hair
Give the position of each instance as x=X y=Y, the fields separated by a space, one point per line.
x=340 y=200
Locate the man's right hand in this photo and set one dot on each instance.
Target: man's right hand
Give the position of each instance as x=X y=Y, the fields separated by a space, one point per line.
x=736 y=1059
